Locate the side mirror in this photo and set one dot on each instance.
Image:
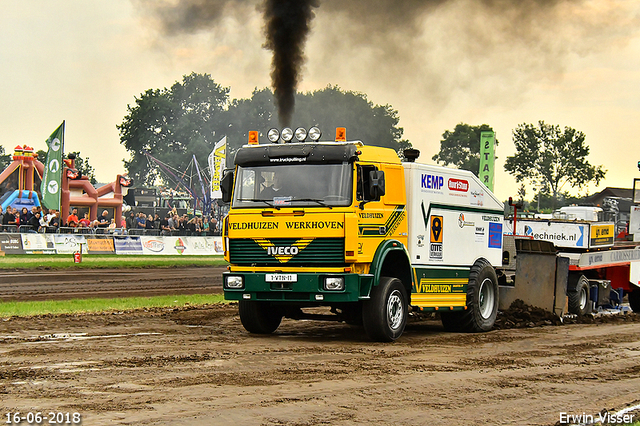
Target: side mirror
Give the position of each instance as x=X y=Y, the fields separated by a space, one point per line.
x=226 y=185
x=376 y=186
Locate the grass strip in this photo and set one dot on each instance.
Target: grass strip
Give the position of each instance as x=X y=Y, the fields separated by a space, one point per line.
x=78 y=306
x=65 y=261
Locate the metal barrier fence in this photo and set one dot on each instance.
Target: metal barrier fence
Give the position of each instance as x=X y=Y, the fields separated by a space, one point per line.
x=54 y=243
x=23 y=229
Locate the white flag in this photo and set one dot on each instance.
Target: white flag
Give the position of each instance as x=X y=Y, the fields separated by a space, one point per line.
x=217 y=163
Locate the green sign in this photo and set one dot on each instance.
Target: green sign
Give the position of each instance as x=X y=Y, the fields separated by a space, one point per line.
x=487 y=158
x=51 y=180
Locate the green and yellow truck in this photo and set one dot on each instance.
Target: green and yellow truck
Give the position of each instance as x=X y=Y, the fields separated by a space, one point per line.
x=349 y=226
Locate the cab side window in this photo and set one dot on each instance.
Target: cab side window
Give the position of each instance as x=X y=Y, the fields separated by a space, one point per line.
x=363 y=184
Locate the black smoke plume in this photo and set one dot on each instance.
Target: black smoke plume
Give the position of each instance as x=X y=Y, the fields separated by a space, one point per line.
x=287 y=25
x=428 y=47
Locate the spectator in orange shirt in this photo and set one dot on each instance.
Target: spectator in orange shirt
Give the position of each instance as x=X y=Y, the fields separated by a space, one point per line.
x=72 y=220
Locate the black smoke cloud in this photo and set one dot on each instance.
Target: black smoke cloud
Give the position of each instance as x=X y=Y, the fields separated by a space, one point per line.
x=424 y=46
x=287 y=27
x=191 y=16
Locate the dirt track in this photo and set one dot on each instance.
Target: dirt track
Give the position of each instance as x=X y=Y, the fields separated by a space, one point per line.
x=199 y=366
x=83 y=283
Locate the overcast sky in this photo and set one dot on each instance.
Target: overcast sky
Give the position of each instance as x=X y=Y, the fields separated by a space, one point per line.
x=440 y=62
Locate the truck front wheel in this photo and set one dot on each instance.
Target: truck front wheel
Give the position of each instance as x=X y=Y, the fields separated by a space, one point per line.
x=259 y=317
x=634 y=300
x=578 y=295
x=384 y=315
x=482 y=302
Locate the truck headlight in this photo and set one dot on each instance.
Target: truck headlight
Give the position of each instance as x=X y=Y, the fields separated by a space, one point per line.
x=273 y=135
x=315 y=134
x=233 y=281
x=287 y=134
x=334 y=283
x=301 y=134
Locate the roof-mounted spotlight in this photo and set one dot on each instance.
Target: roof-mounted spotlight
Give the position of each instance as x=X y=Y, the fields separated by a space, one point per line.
x=315 y=134
x=273 y=135
x=287 y=134
x=301 y=134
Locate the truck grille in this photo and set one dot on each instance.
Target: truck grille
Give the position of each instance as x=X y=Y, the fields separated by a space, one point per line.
x=320 y=251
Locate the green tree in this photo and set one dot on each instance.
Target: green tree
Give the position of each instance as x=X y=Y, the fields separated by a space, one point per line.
x=256 y=113
x=461 y=147
x=173 y=125
x=327 y=109
x=5 y=159
x=83 y=166
x=553 y=157
x=333 y=107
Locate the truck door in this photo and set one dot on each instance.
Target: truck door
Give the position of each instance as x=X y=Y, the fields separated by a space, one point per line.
x=377 y=221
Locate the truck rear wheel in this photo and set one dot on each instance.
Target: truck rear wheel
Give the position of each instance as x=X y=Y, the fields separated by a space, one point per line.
x=578 y=295
x=384 y=316
x=259 y=317
x=634 y=300
x=482 y=302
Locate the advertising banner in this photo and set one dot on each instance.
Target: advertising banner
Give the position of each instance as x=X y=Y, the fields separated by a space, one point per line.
x=182 y=245
x=568 y=235
x=602 y=234
x=100 y=245
x=11 y=243
x=127 y=245
x=51 y=179
x=38 y=244
x=164 y=245
x=32 y=243
x=69 y=244
x=204 y=245
x=217 y=163
x=153 y=245
x=487 y=158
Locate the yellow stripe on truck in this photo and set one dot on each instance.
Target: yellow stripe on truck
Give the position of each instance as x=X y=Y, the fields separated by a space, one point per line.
x=430 y=300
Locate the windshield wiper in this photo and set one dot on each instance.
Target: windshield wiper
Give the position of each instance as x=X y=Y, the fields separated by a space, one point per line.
x=321 y=202
x=270 y=204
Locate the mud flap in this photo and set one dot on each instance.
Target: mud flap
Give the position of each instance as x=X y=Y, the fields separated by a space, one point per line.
x=540 y=277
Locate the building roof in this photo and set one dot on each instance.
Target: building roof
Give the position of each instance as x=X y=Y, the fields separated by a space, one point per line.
x=609 y=192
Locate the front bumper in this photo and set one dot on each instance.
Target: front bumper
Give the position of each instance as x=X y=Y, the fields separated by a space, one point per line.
x=308 y=288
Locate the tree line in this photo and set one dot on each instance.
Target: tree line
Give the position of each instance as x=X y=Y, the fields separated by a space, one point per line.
x=173 y=124
x=547 y=156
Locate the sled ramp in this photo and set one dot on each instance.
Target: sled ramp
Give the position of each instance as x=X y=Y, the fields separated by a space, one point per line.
x=540 y=276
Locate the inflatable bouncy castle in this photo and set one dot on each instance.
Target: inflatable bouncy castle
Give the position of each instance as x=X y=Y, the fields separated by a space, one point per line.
x=20 y=186
x=18 y=180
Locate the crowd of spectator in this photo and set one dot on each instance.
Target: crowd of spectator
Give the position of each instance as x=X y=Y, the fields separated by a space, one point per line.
x=43 y=220
x=35 y=220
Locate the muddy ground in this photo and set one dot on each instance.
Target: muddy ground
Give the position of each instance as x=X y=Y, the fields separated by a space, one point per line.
x=199 y=366
x=47 y=284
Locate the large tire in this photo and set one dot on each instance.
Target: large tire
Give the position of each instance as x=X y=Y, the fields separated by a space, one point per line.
x=482 y=302
x=634 y=300
x=384 y=315
x=259 y=317
x=578 y=295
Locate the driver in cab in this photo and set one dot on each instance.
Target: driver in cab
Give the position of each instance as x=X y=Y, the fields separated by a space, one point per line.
x=275 y=190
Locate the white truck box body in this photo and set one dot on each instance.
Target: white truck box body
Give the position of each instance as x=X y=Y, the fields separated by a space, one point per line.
x=453 y=218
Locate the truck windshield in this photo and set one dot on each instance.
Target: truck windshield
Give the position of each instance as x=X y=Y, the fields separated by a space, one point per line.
x=293 y=185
